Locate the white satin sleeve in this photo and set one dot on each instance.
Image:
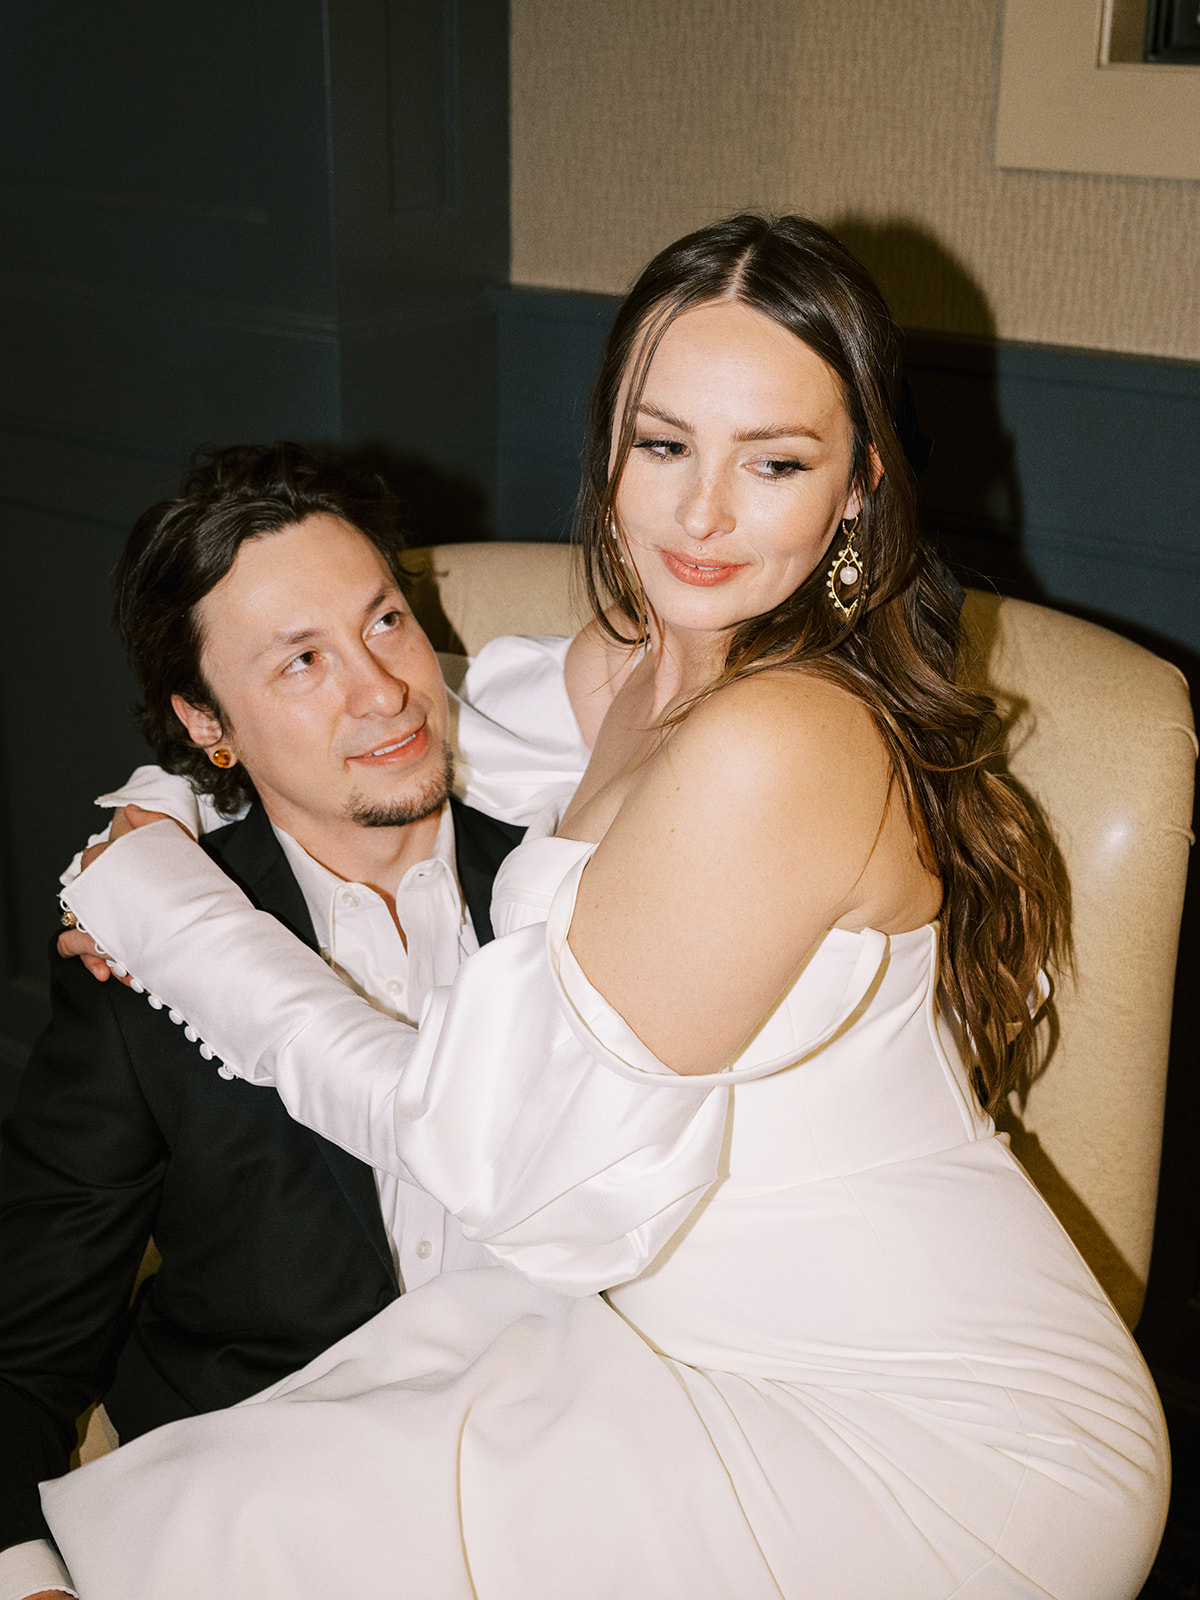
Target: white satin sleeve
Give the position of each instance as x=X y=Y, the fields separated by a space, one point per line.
x=572 y=1173
x=518 y=748
x=155 y=790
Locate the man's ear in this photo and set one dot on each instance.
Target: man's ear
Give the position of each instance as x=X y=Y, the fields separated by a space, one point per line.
x=203 y=728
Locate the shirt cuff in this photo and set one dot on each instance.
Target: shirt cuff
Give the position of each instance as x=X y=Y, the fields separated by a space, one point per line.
x=155 y=790
x=27 y=1569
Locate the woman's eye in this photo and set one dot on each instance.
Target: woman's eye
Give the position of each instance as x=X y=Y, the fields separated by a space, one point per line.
x=782 y=469
x=664 y=449
x=300 y=663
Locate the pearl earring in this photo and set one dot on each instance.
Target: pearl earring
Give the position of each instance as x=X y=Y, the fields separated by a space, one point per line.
x=846 y=583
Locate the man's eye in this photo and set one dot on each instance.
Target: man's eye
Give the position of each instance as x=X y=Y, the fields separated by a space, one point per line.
x=389 y=619
x=298 y=663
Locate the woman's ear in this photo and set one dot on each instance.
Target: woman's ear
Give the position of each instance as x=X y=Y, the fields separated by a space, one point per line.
x=874 y=474
x=203 y=729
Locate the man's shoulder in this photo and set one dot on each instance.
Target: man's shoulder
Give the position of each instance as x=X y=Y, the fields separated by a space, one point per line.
x=250 y=833
x=249 y=851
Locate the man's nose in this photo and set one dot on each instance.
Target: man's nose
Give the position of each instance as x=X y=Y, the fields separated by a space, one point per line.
x=373 y=690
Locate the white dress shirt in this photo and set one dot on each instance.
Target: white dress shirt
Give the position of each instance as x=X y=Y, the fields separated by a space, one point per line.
x=358 y=938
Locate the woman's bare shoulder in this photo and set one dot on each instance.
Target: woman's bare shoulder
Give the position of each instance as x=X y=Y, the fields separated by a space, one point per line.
x=783 y=733
x=742 y=842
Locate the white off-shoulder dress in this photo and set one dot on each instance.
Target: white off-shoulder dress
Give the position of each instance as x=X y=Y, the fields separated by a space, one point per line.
x=801 y=1329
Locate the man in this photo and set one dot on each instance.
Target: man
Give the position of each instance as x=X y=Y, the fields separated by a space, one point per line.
x=280 y=664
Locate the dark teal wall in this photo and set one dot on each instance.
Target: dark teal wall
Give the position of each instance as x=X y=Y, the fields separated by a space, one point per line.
x=1071 y=477
x=223 y=220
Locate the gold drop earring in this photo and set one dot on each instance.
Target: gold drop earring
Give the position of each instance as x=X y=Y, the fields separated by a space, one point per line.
x=846 y=583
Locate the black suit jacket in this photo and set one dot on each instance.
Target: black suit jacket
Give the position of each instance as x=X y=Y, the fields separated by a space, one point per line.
x=271 y=1238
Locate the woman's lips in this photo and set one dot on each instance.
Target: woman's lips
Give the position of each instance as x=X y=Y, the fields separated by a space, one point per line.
x=391 y=752
x=699 y=571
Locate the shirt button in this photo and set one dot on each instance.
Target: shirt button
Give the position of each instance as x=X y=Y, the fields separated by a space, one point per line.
x=395 y=988
x=424 y=1250
x=349 y=898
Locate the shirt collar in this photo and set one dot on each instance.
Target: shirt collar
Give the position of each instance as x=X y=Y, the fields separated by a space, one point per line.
x=318 y=884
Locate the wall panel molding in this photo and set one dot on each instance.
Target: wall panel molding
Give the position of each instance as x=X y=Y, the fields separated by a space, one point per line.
x=1066 y=104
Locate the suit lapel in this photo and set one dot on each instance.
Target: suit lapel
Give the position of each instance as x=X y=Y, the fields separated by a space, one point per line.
x=480 y=845
x=253 y=857
x=251 y=854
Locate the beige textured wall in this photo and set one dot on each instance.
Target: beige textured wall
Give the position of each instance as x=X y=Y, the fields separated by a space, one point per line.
x=635 y=120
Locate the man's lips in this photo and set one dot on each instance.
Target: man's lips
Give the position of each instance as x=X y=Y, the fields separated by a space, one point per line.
x=700 y=571
x=395 y=751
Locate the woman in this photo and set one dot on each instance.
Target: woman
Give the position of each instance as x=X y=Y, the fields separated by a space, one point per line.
x=739 y=1080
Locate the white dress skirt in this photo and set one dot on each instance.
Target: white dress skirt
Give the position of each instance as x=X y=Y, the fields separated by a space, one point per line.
x=801 y=1329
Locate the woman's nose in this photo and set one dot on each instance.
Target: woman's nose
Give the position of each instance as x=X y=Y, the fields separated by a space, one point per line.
x=706 y=507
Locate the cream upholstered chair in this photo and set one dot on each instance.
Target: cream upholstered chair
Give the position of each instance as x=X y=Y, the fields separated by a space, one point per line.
x=1100 y=734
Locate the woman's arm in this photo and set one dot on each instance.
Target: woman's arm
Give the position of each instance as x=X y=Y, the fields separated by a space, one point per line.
x=569 y=1169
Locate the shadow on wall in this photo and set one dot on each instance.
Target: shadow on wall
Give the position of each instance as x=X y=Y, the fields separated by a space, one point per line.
x=434 y=506
x=970 y=493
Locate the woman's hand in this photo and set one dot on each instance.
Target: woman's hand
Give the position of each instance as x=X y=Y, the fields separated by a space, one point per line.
x=74 y=942
x=125 y=820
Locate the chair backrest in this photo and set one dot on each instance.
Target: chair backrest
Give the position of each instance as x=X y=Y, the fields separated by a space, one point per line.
x=1101 y=736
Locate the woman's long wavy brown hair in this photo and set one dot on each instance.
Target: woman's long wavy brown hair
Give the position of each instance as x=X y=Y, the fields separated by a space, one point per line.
x=1004 y=899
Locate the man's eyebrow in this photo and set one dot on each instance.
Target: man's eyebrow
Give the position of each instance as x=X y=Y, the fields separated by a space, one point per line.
x=292 y=638
x=289 y=637
x=784 y=430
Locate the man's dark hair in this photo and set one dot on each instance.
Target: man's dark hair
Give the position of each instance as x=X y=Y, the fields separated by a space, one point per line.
x=180 y=549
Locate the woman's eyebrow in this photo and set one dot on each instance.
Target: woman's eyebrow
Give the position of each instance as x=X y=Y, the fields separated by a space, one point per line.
x=783 y=430
x=667 y=417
